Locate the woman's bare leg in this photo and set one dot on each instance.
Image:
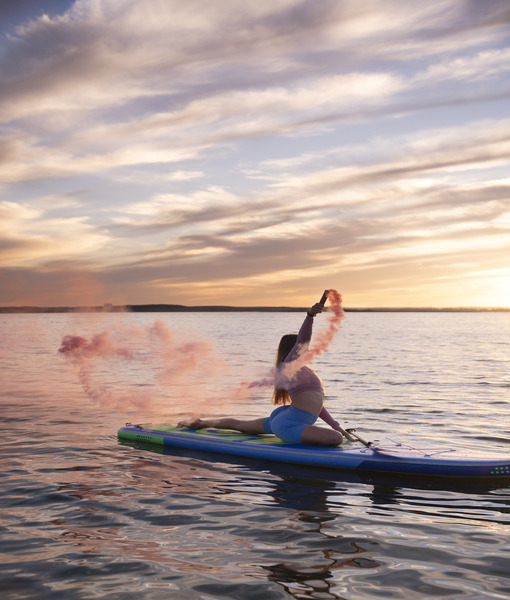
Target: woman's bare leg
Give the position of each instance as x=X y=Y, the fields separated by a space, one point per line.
x=320 y=436
x=253 y=426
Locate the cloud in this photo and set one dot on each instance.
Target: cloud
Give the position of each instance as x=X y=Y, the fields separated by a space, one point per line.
x=27 y=236
x=472 y=68
x=57 y=283
x=100 y=71
x=352 y=218
x=145 y=177
x=253 y=142
x=109 y=54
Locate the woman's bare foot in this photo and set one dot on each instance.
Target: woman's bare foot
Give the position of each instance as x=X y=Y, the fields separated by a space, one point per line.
x=193 y=424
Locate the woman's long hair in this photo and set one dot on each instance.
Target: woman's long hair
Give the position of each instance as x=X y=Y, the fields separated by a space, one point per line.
x=280 y=395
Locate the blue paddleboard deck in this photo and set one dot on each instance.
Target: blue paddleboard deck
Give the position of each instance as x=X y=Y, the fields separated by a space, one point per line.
x=383 y=457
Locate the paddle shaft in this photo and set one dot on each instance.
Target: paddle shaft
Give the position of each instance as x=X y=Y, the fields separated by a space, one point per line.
x=360 y=439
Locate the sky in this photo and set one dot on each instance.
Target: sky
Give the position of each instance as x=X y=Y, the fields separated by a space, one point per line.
x=255 y=153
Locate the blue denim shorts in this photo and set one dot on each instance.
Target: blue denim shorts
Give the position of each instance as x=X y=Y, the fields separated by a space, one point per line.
x=288 y=422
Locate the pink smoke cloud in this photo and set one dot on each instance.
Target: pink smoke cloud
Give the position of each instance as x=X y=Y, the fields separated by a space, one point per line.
x=175 y=361
x=321 y=342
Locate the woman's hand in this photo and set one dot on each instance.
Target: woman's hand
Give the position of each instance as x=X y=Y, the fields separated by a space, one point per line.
x=316 y=308
x=337 y=427
x=346 y=434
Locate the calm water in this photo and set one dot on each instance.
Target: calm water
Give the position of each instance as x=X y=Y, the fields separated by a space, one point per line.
x=84 y=517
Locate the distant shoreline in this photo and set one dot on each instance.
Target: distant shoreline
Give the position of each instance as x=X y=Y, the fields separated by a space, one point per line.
x=110 y=308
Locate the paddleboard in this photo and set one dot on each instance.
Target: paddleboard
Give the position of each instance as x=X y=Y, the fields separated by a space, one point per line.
x=385 y=457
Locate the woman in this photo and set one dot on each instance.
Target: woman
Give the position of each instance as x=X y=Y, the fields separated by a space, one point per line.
x=299 y=395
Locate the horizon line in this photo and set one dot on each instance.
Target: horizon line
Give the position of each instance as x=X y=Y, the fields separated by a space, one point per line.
x=163 y=307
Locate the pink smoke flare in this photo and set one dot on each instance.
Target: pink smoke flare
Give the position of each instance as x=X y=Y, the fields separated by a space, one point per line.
x=321 y=343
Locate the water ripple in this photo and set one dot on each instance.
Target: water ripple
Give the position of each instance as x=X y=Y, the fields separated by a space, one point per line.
x=85 y=517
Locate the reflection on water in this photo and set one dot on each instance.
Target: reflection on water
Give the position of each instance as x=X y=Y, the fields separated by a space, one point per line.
x=86 y=517
x=334 y=528
x=200 y=527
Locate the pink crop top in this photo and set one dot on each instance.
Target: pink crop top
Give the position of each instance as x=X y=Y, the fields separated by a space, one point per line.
x=306 y=379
